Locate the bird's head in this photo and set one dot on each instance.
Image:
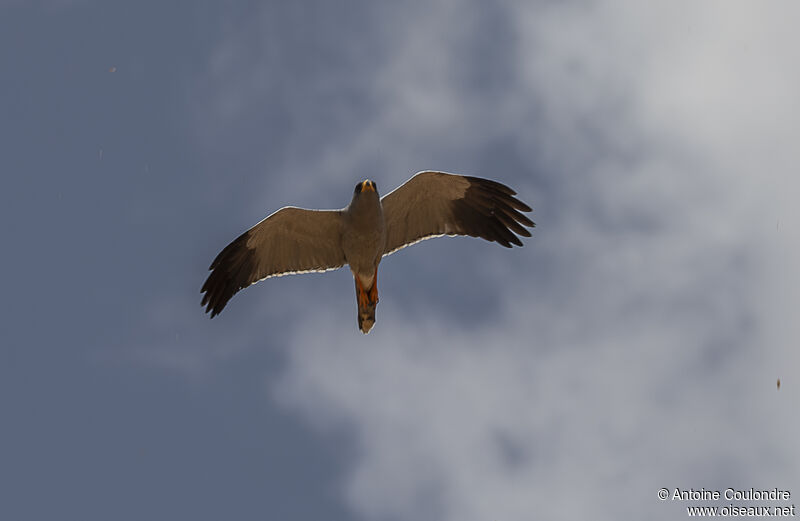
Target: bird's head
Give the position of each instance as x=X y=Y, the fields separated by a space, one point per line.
x=366 y=186
x=365 y=197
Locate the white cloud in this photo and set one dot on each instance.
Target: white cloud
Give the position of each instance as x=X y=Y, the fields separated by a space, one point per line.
x=651 y=360
x=637 y=343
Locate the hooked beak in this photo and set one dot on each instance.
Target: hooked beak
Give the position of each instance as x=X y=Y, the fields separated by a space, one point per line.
x=367 y=185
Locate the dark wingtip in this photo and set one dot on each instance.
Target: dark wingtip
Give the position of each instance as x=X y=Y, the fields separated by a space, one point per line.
x=522 y=207
x=489 y=210
x=229 y=273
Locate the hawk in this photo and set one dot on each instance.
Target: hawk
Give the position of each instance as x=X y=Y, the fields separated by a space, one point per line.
x=297 y=240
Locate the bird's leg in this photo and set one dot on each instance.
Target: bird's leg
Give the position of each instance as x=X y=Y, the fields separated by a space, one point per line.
x=373 y=291
x=366 y=308
x=361 y=294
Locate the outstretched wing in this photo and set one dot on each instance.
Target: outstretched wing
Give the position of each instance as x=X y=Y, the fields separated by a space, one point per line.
x=432 y=204
x=291 y=240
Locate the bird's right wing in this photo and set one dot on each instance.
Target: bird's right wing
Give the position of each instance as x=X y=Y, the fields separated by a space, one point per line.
x=432 y=204
x=291 y=240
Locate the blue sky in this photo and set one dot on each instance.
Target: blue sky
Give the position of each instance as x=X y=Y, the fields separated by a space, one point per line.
x=634 y=343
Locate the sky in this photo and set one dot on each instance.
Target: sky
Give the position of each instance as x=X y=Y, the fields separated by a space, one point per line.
x=634 y=343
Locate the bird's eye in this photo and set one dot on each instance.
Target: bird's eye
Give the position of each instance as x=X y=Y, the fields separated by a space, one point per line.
x=358 y=188
x=374 y=185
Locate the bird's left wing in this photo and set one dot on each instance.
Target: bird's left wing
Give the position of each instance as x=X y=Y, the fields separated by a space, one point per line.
x=291 y=240
x=432 y=204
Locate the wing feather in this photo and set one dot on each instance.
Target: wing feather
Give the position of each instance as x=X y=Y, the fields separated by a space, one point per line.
x=432 y=204
x=291 y=240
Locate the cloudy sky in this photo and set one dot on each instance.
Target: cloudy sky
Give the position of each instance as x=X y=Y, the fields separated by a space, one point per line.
x=634 y=343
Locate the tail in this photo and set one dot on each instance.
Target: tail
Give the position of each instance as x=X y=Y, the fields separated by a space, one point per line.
x=367 y=302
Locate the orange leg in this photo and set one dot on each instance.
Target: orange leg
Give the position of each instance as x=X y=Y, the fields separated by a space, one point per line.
x=373 y=291
x=367 y=300
x=361 y=294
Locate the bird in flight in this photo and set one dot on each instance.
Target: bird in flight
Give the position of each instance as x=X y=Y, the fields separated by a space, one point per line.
x=297 y=240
